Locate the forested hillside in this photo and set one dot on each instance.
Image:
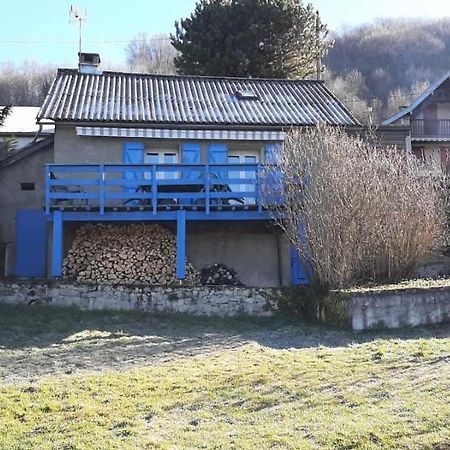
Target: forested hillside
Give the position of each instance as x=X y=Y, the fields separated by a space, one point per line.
x=385 y=64
x=374 y=68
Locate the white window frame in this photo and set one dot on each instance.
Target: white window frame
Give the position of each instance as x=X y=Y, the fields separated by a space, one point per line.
x=242 y=154
x=161 y=154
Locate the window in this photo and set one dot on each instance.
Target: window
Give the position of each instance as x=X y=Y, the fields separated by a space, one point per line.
x=27 y=186
x=162 y=157
x=246 y=94
x=237 y=157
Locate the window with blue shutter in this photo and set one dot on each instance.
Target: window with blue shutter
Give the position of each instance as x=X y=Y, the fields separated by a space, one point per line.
x=273 y=183
x=191 y=154
x=133 y=153
x=218 y=154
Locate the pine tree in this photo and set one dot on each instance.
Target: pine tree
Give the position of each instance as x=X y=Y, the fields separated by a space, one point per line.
x=250 y=38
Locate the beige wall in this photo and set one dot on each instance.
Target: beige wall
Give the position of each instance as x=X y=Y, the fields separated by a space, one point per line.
x=259 y=253
x=443 y=111
x=12 y=198
x=73 y=149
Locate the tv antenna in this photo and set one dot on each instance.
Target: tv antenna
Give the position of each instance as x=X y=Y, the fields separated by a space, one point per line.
x=80 y=16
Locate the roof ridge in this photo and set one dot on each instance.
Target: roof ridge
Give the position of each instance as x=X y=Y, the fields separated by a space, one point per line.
x=202 y=77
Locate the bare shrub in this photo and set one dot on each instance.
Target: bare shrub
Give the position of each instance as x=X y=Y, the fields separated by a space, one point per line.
x=366 y=213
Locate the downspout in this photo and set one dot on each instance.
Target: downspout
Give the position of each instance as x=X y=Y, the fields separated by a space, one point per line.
x=37 y=135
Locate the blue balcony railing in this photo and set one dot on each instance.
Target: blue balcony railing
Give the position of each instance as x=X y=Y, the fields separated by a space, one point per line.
x=155 y=187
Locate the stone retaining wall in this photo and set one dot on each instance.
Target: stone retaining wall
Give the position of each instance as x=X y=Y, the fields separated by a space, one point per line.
x=386 y=309
x=360 y=311
x=207 y=301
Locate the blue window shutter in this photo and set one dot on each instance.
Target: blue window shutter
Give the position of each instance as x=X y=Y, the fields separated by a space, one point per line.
x=218 y=154
x=191 y=154
x=133 y=153
x=274 y=178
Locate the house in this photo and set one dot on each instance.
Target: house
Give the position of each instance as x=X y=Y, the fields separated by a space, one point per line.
x=20 y=129
x=183 y=151
x=428 y=120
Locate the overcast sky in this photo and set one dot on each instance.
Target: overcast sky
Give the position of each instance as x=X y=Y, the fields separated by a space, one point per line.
x=40 y=30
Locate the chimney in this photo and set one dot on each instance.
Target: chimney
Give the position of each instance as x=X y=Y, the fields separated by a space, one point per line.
x=89 y=63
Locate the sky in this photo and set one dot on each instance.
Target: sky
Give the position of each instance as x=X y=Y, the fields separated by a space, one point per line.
x=40 y=30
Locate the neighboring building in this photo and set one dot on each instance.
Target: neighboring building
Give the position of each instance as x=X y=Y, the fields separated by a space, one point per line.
x=22 y=187
x=186 y=151
x=20 y=128
x=428 y=119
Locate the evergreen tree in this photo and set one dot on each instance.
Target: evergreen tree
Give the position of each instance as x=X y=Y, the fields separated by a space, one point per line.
x=250 y=38
x=4 y=113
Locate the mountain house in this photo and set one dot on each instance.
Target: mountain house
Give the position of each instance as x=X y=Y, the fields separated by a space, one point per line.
x=183 y=151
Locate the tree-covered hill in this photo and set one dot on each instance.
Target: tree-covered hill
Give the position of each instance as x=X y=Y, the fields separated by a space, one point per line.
x=386 y=64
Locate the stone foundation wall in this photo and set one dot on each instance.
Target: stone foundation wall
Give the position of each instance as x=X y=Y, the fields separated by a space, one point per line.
x=206 y=301
x=388 y=309
x=385 y=309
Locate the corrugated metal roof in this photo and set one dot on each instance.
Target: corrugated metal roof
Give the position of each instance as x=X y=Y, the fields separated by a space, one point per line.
x=193 y=100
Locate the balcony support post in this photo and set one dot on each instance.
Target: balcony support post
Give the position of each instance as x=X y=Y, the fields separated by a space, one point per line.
x=181 y=244
x=57 y=244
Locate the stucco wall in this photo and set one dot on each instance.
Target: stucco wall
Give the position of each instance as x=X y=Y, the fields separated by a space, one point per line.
x=12 y=198
x=258 y=252
x=443 y=111
x=73 y=149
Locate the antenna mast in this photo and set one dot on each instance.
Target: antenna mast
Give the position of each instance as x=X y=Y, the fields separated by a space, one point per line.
x=80 y=16
x=318 y=43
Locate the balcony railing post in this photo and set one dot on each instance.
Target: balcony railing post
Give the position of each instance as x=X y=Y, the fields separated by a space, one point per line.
x=102 y=188
x=207 y=193
x=258 y=188
x=154 y=191
x=47 y=189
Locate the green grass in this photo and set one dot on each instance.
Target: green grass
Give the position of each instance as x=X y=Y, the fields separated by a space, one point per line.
x=383 y=391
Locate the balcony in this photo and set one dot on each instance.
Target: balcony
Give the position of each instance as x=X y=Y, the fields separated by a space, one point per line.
x=430 y=128
x=160 y=190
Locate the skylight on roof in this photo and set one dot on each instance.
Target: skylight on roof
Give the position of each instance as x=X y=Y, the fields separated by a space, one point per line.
x=246 y=94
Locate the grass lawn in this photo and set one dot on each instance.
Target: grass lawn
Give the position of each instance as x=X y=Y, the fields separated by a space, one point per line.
x=129 y=381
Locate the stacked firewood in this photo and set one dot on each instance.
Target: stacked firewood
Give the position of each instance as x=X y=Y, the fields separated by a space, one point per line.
x=219 y=274
x=135 y=253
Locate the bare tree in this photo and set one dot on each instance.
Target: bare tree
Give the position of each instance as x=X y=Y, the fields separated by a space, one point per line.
x=25 y=84
x=151 y=54
x=364 y=213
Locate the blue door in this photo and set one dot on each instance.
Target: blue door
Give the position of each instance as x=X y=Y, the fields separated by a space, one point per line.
x=31 y=243
x=299 y=272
